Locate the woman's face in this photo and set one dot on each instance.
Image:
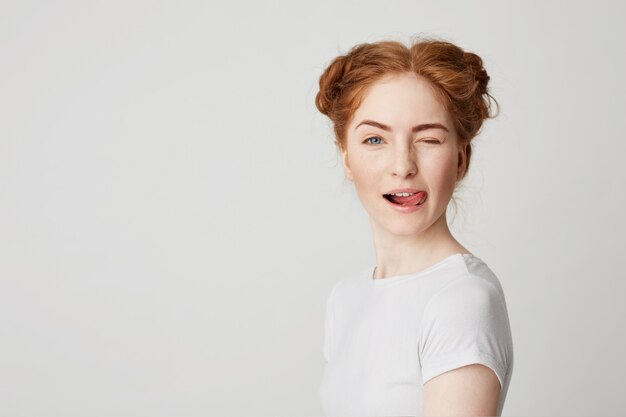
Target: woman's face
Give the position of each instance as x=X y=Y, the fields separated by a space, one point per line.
x=401 y=136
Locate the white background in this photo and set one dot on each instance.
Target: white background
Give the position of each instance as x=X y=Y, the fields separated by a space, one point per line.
x=173 y=212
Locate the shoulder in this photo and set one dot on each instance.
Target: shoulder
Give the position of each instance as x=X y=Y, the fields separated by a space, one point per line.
x=347 y=292
x=473 y=295
x=474 y=285
x=351 y=284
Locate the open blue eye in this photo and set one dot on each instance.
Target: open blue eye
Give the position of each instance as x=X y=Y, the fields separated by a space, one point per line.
x=373 y=137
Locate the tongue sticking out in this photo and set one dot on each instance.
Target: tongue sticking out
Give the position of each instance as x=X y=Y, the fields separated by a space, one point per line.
x=407 y=201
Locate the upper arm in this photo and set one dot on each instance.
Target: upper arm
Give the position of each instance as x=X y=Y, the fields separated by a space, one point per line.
x=471 y=390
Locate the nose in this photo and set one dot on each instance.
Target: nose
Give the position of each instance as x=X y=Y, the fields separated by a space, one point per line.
x=404 y=163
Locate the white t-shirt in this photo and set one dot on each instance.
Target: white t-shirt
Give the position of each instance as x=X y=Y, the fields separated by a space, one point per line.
x=385 y=338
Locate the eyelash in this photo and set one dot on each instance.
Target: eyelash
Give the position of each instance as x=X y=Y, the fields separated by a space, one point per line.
x=372 y=137
x=433 y=141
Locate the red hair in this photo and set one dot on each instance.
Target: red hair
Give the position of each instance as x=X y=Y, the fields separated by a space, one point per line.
x=458 y=77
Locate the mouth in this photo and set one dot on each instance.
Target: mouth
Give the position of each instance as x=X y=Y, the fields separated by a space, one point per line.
x=407 y=199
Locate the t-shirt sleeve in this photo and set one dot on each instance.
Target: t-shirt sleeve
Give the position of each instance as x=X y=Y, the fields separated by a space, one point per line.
x=465 y=323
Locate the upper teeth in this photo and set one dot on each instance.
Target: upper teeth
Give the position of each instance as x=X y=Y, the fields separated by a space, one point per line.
x=403 y=194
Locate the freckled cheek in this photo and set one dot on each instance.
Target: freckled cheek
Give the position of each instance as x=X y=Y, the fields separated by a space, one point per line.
x=439 y=179
x=367 y=183
x=367 y=172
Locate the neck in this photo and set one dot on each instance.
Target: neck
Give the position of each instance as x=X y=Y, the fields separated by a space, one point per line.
x=405 y=254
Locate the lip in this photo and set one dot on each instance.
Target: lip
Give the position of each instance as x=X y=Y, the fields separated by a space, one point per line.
x=403 y=190
x=406 y=209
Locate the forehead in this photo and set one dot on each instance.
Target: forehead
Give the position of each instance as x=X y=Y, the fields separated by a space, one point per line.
x=402 y=99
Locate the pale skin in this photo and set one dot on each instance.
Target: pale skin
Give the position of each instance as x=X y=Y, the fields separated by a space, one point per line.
x=384 y=150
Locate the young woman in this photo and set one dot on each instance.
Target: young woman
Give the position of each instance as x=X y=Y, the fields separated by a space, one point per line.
x=425 y=331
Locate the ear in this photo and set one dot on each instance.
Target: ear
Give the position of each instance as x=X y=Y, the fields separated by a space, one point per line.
x=346 y=164
x=462 y=162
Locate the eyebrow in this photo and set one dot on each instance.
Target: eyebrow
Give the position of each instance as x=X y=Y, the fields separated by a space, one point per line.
x=415 y=129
